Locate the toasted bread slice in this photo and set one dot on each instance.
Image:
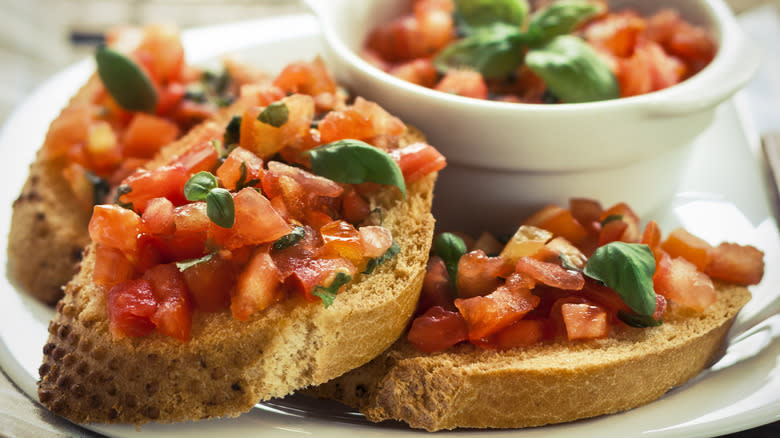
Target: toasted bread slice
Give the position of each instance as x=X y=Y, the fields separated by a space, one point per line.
x=229 y=365
x=468 y=387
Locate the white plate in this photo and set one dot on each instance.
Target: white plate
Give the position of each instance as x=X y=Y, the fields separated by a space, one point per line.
x=723 y=197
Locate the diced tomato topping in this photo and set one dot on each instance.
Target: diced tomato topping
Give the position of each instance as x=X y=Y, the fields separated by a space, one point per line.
x=479 y=275
x=437 y=289
x=191 y=218
x=618 y=32
x=464 y=83
x=257 y=287
x=342 y=238
x=202 y=157
x=145 y=185
x=587 y=212
x=349 y=123
x=162 y=45
x=230 y=172
x=131 y=305
x=382 y=122
x=651 y=236
x=418 y=160
x=584 y=321
x=678 y=280
x=173 y=316
x=354 y=207
x=115 y=227
x=111 y=266
x=375 y=240
x=620 y=212
x=526 y=241
x=491 y=313
x=522 y=333
x=147 y=134
x=736 y=264
x=256 y=222
x=681 y=243
x=158 y=218
x=210 y=284
x=169 y=97
x=179 y=246
x=551 y=274
x=437 y=329
x=310 y=78
x=69 y=128
x=419 y=71
x=559 y=221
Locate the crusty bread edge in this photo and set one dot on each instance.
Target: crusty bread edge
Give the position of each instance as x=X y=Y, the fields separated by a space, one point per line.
x=552 y=383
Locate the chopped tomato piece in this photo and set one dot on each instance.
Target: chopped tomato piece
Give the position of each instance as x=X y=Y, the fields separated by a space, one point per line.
x=201 y=157
x=131 y=305
x=145 y=185
x=210 y=283
x=584 y=321
x=256 y=222
x=491 y=313
x=479 y=275
x=158 y=217
x=376 y=240
x=558 y=249
x=263 y=94
x=354 y=208
x=616 y=32
x=612 y=231
x=230 y=172
x=551 y=274
x=678 y=280
x=418 y=160
x=522 y=333
x=69 y=128
x=173 y=316
x=382 y=122
x=680 y=243
x=162 y=45
x=526 y=241
x=587 y=212
x=115 y=227
x=349 y=123
x=622 y=212
x=651 y=236
x=169 y=97
x=343 y=239
x=417 y=71
x=736 y=264
x=463 y=83
x=310 y=78
x=437 y=329
x=179 y=246
x=111 y=266
x=191 y=218
x=558 y=221
x=146 y=134
x=257 y=287
x=437 y=289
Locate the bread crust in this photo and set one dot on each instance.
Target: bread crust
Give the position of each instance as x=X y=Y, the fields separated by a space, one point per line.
x=229 y=365
x=549 y=383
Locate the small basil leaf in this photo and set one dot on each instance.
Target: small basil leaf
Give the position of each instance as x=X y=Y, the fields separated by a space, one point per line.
x=275 y=114
x=292 y=239
x=567 y=264
x=639 y=321
x=389 y=254
x=125 y=81
x=355 y=162
x=626 y=268
x=450 y=248
x=611 y=218
x=187 y=264
x=100 y=188
x=328 y=294
x=573 y=71
x=476 y=13
x=495 y=52
x=123 y=189
x=199 y=186
x=220 y=208
x=559 y=18
x=233 y=131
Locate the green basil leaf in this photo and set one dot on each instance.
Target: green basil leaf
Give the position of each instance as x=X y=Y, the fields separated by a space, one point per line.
x=275 y=114
x=220 y=208
x=639 y=321
x=559 y=18
x=328 y=294
x=187 y=264
x=626 y=268
x=233 y=131
x=389 y=254
x=123 y=189
x=242 y=182
x=495 y=51
x=477 y=13
x=125 y=81
x=199 y=186
x=450 y=248
x=100 y=188
x=611 y=218
x=573 y=71
x=292 y=239
x=355 y=162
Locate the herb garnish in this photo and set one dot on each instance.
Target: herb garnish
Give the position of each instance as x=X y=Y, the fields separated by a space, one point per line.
x=130 y=87
x=328 y=294
x=626 y=268
x=389 y=254
x=292 y=239
x=275 y=114
x=220 y=208
x=450 y=248
x=186 y=264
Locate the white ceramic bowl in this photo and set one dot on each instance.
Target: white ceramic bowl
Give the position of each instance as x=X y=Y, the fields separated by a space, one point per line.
x=506 y=159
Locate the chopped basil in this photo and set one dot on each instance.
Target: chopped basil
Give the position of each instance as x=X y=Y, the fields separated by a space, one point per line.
x=328 y=294
x=389 y=254
x=626 y=268
x=477 y=13
x=123 y=189
x=450 y=248
x=220 y=207
x=186 y=264
x=495 y=51
x=130 y=87
x=242 y=182
x=610 y=218
x=199 y=185
x=233 y=131
x=355 y=162
x=639 y=321
x=567 y=264
x=100 y=188
x=275 y=114
x=292 y=239
x=559 y=18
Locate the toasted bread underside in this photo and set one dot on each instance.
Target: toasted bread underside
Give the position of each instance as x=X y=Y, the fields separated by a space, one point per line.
x=230 y=365
x=549 y=383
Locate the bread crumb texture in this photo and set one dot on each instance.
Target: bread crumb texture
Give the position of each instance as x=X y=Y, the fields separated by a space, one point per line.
x=549 y=383
x=229 y=365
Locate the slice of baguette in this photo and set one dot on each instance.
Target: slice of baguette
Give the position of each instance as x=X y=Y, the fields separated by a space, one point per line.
x=468 y=387
x=230 y=365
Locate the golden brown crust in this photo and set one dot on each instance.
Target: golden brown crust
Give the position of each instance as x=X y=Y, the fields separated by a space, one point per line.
x=549 y=383
x=229 y=365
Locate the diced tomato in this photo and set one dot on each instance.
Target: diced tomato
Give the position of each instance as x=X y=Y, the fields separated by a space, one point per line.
x=681 y=243
x=604 y=297
x=179 y=246
x=625 y=213
x=522 y=333
x=398 y=40
x=158 y=217
x=526 y=241
x=551 y=274
x=349 y=123
x=418 y=160
x=737 y=264
x=354 y=208
x=616 y=32
x=437 y=289
x=491 y=313
x=651 y=236
x=169 y=97
x=479 y=275
x=382 y=121
x=465 y=83
x=202 y=157
x=678 y=280
x=162 y=45
x=131 y=305
x=115 y=227
x=173 y=316
x=69 y=128
x=584 y=321
x=417 y=71
x=145 y=185
x=310 y=78
x=102 y=147
x=230 y=173
x=210 y=284
x=559 y=221
x=265 y=139
x=147 y=254
x=83 y=189
x=612 y=231
x=191 y=218
x=558 y=249
x=375 y=240
x=257 y=287
x=111 y=266
x=146 y=134
x=256 y=222
x=262 y=93
x=587 y=212
x=342 y=238
x=437 y=329
x=302 y=191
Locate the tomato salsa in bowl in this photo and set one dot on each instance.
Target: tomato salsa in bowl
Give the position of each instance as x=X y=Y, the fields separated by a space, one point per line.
x=521 y=154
